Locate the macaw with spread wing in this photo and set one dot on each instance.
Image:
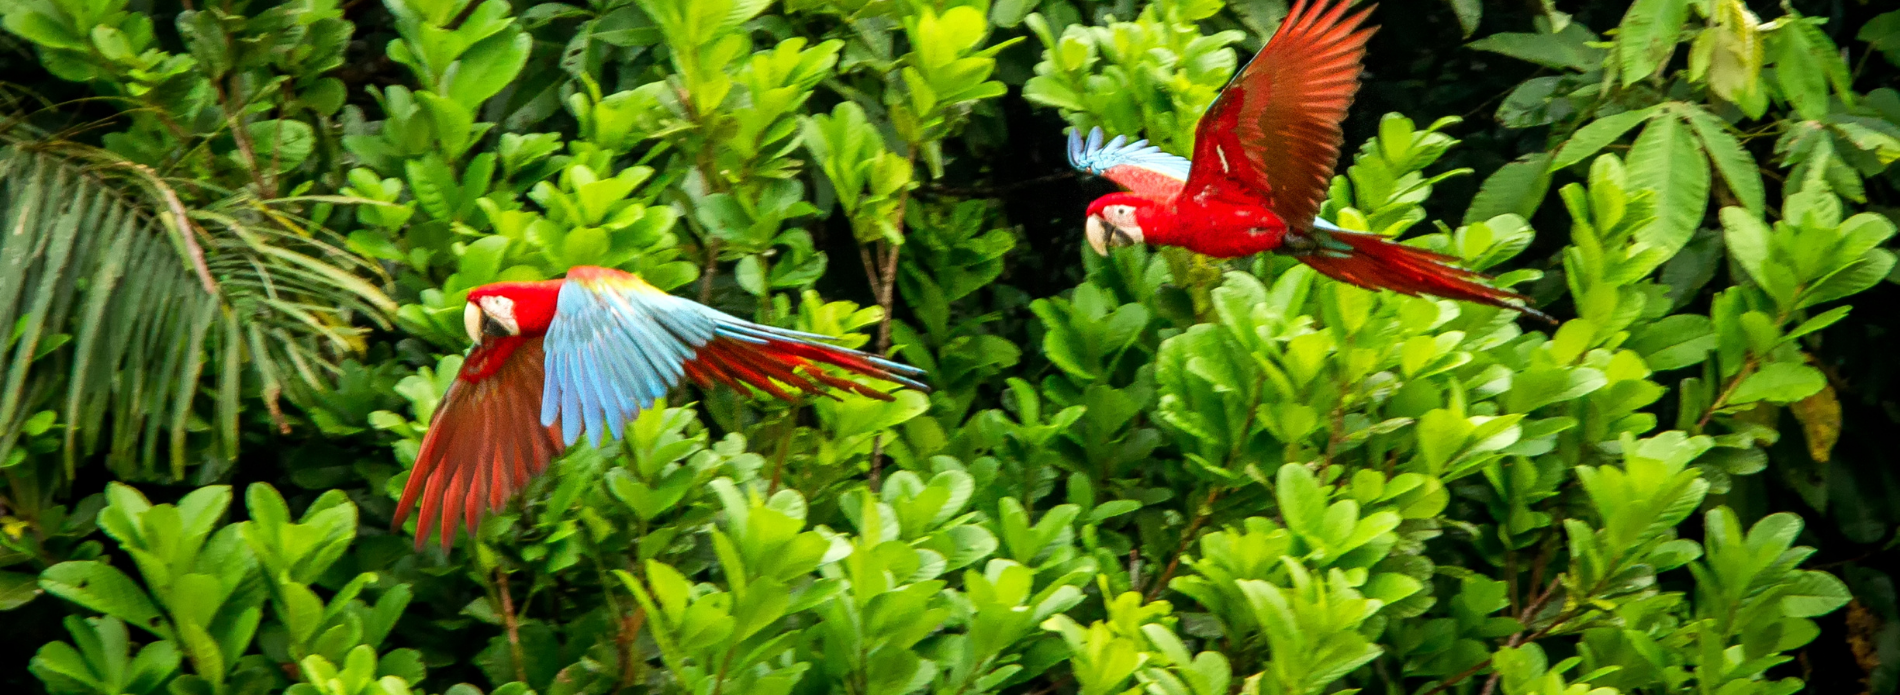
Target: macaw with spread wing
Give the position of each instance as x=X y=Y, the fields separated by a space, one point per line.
x=560 y=358
x=1263 y=155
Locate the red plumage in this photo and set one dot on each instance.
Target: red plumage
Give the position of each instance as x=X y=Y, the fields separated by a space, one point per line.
x=486 y=440
x=1377 y=262
x=1264 y=155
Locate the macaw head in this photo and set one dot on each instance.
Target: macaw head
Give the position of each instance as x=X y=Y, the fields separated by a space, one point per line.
x=1115 y=220
x=510 y=309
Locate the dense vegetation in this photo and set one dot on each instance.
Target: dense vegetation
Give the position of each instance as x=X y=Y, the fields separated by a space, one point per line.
x=236 y=237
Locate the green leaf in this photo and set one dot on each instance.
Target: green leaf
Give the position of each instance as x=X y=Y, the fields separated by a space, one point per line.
x=1882 y=33
x=1111 y=509
x=1469 y=12
x=1874 y=266
x=1799 y=72
x=1667 y=160
x=1567 y=49
x=1647 y=37
x=282 y=144
x=487 y=68
x=16 y=589
x=1818 y=322
x=1748 y=241
x=1010 y=13
x=1779 y=382
x=1674 y=342
x=1592 y=138
x=1814 y=593
x=1543 y=386
x=1738 y=168
x=1517 y=188
x=102 y=587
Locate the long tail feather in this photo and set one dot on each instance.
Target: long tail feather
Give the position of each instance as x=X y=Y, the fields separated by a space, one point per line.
x=1370 y=260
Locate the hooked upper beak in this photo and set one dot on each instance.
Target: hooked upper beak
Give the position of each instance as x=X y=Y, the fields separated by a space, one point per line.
x=1102 y=235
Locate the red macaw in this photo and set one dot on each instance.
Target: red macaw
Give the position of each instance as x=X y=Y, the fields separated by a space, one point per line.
x=559 y=358
x=1263 y=156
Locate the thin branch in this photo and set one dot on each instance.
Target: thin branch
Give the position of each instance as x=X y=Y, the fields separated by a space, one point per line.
x=784 y=450
x=1187 y=538
x=710 y=271
x=1460 y=678
x=886 y=291
x=242 y=135
x=512 y=626
x=1516 y=639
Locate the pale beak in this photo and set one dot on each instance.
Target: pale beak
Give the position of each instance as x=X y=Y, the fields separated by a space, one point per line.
x=1101 y=235
x=472 y=320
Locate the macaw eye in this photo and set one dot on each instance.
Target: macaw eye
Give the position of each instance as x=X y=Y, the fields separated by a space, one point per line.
x=1120 y=215
x=499 y=316
x=490 y=317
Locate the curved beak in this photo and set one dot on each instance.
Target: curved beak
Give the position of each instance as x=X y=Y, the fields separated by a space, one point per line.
x=1102 y=235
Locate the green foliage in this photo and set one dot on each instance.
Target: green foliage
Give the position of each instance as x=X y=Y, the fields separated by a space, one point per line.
x=1159 y=473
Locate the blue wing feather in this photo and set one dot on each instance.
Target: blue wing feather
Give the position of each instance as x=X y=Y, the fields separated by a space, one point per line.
x=612 y=352
x=617 y=345
x=1096 y=157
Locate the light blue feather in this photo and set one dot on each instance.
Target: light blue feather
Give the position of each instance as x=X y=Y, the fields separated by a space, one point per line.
x=1096 y=157
x=613 y=351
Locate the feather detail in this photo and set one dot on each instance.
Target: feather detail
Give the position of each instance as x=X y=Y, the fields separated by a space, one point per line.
x=1137 y=166
x=1273 y=133
x=1373 y=261
x=613 y=346
x=484 y=442
x=617 y=344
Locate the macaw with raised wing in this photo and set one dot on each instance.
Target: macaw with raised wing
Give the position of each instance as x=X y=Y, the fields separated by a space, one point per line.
x=1263 y=156
x=557 y=359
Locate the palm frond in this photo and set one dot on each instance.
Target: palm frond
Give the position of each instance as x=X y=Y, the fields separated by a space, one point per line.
x=163 y=316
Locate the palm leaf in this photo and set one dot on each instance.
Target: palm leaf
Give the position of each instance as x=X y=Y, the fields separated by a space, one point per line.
x=174 y=313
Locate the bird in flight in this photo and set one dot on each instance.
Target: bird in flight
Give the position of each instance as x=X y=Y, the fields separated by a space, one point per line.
x=1263 y=156
x=557 y=359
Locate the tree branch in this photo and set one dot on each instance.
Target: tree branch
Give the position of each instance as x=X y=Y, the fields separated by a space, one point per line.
x=1187 y=538
x=509 y=624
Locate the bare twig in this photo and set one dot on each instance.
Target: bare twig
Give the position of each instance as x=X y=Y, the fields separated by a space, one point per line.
x=886 y=290
x=884 y=280
x=1516 y=639
x=711 y=270
x=623 y=644
x=784 y=450
x=242 y=136
x=509 y=624
x=1187 y=538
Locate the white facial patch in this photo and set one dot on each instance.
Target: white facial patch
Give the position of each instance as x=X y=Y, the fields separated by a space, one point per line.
x=502 y=311
x=1120 y=216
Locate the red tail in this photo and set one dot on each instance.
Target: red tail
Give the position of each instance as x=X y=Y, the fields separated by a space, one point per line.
x=1378 y=263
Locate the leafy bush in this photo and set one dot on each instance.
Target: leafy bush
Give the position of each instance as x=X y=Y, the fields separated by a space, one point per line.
x=1151 y=472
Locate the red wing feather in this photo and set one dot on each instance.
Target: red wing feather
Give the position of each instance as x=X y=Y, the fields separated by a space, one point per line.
x=1146 y=182
x=1378 y=262
x=1274 y=131
x=764 y=366
x=485 y=442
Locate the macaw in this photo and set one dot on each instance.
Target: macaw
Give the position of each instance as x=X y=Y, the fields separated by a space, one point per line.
x=560 y=358
x=1263 y=156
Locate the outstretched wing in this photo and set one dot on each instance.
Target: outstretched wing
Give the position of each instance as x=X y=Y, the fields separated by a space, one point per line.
x=1274 y=131
x=484 y=443
x=617 y=344
x=1138 y=166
